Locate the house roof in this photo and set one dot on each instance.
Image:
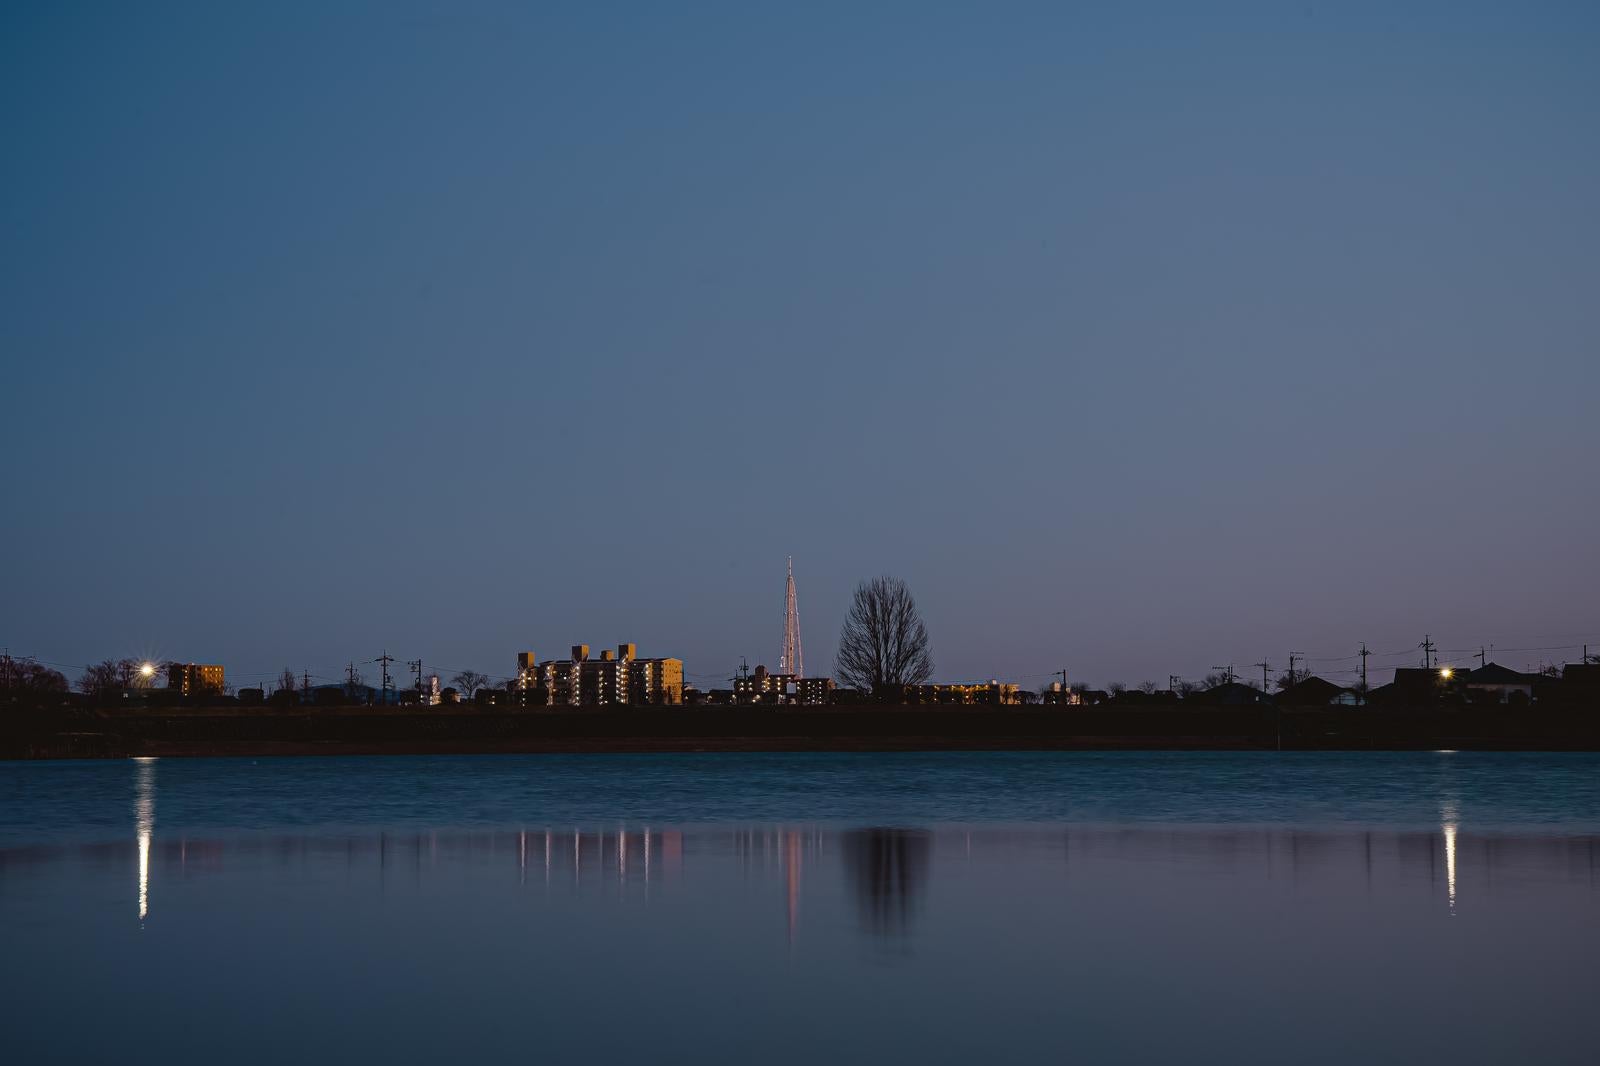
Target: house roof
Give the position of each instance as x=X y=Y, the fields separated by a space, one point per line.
x=1312 y=690
x=1233 y=692
x=1495 y=674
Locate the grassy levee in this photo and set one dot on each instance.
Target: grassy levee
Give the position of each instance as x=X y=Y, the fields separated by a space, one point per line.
x=82 y=732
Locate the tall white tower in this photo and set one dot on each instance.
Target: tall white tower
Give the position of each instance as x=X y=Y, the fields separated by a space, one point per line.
x=791 y=660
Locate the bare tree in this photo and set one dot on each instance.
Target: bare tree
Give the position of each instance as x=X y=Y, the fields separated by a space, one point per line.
x=1116 y=688
x=883 y=641
x=287 y=682
x=1216 y=680
x=1149 y=688
x=100 y=678
x=1188 y=688
x=469 y=682
x=1293 y=677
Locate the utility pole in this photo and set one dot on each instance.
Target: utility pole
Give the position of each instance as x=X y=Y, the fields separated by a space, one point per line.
x=1173 y=681
x=1061 y=697
x=1292 y=657
x=1264 y=669
x=1481 y=660
x=1427 y=651
x=1364 y=654
x=1227 y=671
x=305 y=684
x=385 y=659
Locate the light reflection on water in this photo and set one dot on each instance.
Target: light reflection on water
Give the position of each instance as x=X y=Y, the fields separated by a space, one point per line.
x=923 y=941
x=144 y=824
x=885 y=868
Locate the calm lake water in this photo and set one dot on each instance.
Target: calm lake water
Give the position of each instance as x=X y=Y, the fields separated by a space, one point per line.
x=1127 y=907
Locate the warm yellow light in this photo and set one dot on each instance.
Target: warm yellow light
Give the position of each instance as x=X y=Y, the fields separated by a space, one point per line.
x=147 y=670
x=1447 y=673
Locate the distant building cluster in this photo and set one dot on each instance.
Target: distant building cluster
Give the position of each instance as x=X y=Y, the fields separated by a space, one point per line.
x=1489 y=685
x=992 y=694
x=624 y=678
x=614 y=679
x=763 y=687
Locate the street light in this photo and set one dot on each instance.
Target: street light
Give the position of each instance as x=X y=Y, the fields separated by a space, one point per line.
x=1446 y=673
x=147 y=670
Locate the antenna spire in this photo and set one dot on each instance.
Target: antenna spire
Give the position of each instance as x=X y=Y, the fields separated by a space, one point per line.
x=791 y=659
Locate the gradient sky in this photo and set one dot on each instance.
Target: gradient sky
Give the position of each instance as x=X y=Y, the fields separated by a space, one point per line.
x=1137 y=338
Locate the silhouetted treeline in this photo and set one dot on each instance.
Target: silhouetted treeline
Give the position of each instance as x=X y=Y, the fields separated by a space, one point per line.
x=23 y=680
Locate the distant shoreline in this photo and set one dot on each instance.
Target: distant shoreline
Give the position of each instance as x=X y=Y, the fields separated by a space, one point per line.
x=77 y=733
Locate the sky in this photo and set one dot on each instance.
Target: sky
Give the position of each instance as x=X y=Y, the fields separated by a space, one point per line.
x=1139 y=339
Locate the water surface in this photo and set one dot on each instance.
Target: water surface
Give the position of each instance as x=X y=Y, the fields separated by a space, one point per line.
x=1253 y=907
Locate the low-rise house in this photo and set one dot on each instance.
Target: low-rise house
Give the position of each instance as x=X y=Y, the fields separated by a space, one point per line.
x=1415 y=686
x=1579 y=683
x=1493 y=683
x=1230 y=694
x=1318 y=692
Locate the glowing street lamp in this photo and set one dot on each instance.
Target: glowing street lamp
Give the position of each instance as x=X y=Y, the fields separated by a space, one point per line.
x=1446 y=673
x=147 y=670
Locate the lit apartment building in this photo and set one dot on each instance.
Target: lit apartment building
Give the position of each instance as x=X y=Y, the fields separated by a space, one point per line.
x=191 y=679
x=815 y=690
x=614 y=679
x=762 y=687
x=603 y=682
x=655 y=681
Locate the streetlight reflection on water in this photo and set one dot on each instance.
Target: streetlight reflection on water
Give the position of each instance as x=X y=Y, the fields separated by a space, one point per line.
x=1448 y=822
x=144 y=821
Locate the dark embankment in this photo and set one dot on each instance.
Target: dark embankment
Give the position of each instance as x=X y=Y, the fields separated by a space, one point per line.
x=78 y=732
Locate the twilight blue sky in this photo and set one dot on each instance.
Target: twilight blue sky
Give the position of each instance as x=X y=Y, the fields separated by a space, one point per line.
x=1138 y=338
